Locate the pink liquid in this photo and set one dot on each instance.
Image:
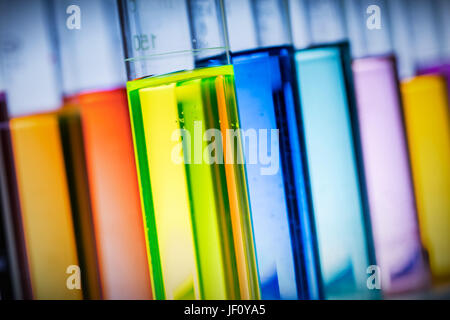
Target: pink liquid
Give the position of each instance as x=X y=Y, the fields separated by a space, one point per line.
x=388 y=176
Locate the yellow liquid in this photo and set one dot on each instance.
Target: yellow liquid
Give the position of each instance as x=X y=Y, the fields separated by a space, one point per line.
x=197 y=217
x=170 y=194
x=428 y=130
x=45 y=205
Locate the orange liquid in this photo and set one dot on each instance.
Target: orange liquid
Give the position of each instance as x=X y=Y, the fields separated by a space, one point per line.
x=45 y=205
x=114 y=192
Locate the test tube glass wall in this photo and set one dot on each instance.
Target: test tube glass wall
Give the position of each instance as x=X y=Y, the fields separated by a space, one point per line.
x=391 y=198
x=426 y=112
x=190 y=163
x=327 y=111
x=41 y=205
x=94 y=78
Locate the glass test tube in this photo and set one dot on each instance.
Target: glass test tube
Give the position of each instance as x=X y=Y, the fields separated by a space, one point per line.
x=427 y=119
x=94 y=81
x=192 y=181
x=44 y=192
x=385 y=152
x=327 y=110
x=265 y=87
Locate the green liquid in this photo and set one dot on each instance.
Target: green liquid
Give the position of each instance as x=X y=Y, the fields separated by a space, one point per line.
x=197 y=217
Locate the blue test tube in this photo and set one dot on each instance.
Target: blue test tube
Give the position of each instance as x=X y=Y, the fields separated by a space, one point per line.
x=327 y=112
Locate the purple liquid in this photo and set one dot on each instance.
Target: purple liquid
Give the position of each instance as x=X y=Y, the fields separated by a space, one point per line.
x=388 y=176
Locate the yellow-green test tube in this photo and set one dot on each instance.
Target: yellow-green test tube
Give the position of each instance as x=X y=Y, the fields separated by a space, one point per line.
x=197 y=215
x=191 y=174
x=427 y=121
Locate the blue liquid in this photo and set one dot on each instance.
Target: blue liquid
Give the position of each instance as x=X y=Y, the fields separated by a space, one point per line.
x=283 y=239
x=338 y=201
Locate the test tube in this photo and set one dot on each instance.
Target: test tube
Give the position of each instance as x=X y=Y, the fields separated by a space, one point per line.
x=46 y=231
x=327 y=111
x=262 y=52
x=189 y=155
x=427 y=119
x=385 y=152
x=94 y=80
